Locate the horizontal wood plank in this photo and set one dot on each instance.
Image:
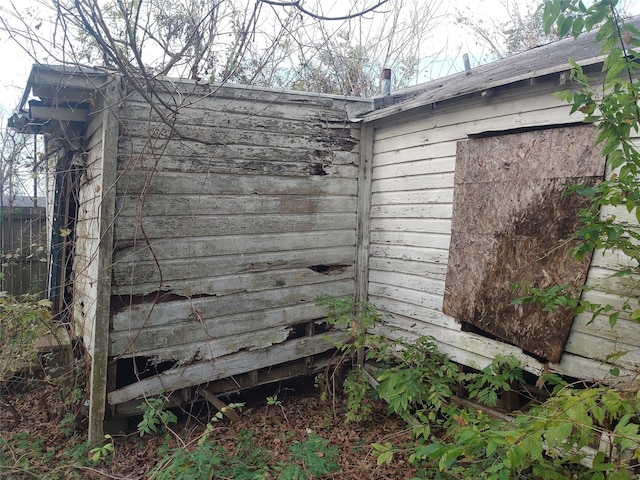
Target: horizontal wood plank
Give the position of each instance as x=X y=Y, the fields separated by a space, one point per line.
x=427 y=255
x=438 y=226
x=194 y=247
x=412 y=239
x=329 y=139
x=188 y=156
x=430 y=270
x=164 y=205
x=237 y=283
x=130 y=228
x=418 y=182
x=150 y=313
x=432 y=196
x=425 y=210
x=171 y=183
x=186 y=269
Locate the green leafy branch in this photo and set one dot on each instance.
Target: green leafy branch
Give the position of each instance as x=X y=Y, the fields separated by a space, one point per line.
x=612 y=106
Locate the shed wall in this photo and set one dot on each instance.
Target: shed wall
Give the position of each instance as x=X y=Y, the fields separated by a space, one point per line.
x=228 y=227
x=411 y=208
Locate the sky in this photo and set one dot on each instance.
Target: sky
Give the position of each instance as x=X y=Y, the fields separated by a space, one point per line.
x=16 y=64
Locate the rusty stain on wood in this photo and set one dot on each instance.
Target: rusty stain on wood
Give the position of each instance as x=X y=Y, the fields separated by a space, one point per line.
x=511 y=223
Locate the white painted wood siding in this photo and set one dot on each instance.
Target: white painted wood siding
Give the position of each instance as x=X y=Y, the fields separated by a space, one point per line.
x=229 y=227
x=87 y=236
x=411 y=204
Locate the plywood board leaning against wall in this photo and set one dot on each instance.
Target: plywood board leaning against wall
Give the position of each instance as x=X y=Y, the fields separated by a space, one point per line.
x=513 y=224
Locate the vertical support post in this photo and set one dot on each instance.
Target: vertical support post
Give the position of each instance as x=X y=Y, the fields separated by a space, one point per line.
x=100 y=354
x=363 y=233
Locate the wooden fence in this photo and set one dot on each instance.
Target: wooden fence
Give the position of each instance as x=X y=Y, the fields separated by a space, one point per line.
x=23 y=250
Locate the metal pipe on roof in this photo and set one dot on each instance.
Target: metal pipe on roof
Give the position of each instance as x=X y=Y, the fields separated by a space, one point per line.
x=385 y=85
x=467 y=65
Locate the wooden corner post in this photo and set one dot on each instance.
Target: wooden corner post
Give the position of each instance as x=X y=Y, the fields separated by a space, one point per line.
x=363 y=233
x=99 y=359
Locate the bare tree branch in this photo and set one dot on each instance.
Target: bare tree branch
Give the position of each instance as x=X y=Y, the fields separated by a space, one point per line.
x=297 y=5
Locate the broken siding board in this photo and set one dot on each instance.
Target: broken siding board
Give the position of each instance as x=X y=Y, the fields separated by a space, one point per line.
x=330 y=139
x=204 y=348
x=478 y=352
x=227 y=366
x=84 y=305
x=253 y=226
x=189 y=156
x=149 y=313
x=466 y=345
x=250 y=324
x=187 y=226
x=228 y=284
x=186 y=269
x=617 y=301
x=189 y=331
x=255 y=99
x=207 y=115
x=288 y=165
x=172 y=248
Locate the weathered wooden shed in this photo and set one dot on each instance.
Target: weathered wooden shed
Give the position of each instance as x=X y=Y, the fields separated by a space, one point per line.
x=191 y=239
x=464 y=198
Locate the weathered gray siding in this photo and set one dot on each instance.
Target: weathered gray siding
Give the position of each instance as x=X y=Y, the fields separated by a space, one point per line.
x=411 y=208
x=230 y=226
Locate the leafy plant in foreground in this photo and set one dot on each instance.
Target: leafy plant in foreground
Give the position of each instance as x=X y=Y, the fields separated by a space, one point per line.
x=102 y=452
x=612 y=105
x=317 y=456
x=360 y=319
x=499 y=376
x=154 y=416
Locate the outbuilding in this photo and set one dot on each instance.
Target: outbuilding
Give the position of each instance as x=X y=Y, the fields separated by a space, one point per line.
x=192 y=233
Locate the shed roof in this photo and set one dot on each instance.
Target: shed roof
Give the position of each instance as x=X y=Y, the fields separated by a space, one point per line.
x=536 y=62
x=65 y=92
